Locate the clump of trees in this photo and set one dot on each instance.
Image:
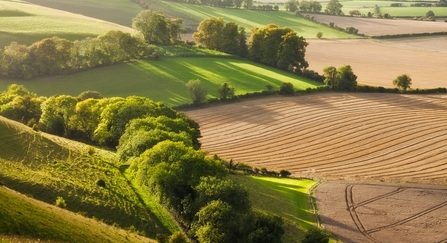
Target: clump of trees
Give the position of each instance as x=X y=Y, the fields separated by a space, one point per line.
x=333 y=7
x=54 y=56
x=342 y=78
x=157 y=28
x=215 y=34
x=277 y=47
x=310 y=6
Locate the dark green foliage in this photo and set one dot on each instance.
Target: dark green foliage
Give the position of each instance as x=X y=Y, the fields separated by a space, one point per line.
x=286 y=89
x=277 y=47
x=157 y=28
x=342 y=78
x=264 y=228
x=196 y=91
x=178 y=237
x=315 y=235
x=226 y=91
x=352 y=30
x=215 y=34
x=285 y=173
x=403 y=82
x=291 y=5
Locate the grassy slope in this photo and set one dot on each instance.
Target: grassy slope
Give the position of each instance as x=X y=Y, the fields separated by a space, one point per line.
x=46 y=167
x=23 y=219
x=250 y=18
x=285 y=197
x=27 y=23
x=115 y=11
x=164 y=80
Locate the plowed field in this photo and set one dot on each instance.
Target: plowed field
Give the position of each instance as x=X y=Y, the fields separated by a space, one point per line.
x=387 y=137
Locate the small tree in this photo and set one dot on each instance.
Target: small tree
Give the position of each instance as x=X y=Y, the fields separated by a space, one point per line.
x=196 y=91
x=285 y=173
x=226 y=91
x=403 y=82
x=315 y=235
x=286 y=89
x=320 y=35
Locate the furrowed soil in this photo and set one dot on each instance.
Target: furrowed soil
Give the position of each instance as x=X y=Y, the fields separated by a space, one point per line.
x=351 y=136
x=373 y=212
x=354 y=137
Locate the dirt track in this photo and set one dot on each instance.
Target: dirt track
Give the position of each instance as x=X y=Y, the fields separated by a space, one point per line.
x=390 y=137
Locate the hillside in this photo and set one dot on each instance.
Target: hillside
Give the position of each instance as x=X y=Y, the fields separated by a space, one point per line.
x=46 y=167
x=25 y=219
x=27 y=23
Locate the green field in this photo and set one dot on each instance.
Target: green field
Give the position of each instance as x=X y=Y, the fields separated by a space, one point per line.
x=23 y=219
x=115 y=11
x=164 y=80
x=27 y=23
x=285 y=197
x=251 y=18
x=46 y=167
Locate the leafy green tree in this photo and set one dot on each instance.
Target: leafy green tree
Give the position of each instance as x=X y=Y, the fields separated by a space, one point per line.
x=196 y=91
x=286 y=89
x=403 y=82
x=19 y=104
x=290 y=51
x=263 y=228
x=334 y=7
x=248 y=4
x=157 y=28
x=345 y=78
x=330 y=73
x=89 y=94
x=291 y=5
x=315 y=235
x=226 y=91
x=85 y=120
x=315 y=6
x=178 y=237
x=56 y=114
x=16 y=62
x=305 y=6
x=320 y=35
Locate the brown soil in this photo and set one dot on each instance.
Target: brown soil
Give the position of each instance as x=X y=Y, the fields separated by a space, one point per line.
x=379 y=212
x=380 y=27
x=391 y=137
x=379 y=63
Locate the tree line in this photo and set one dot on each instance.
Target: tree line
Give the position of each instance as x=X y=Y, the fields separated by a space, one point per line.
x=162 y=148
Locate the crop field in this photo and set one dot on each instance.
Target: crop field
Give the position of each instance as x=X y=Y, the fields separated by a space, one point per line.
x=381 y=27
x=165 y=80
x=379 y=212
x=378 y=63
x=27 y=23
x=391 y=137
x=250 y=18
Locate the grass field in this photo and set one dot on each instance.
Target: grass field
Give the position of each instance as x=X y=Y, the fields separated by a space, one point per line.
x=164 y=80
x=27 y=23
x=115 y=11
x=285 y=197
x=250 y=18
x=23 y=219
x=45 y=167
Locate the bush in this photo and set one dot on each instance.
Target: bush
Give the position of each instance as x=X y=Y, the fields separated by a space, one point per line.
x=315 y=235
x=286 y=89
x=60 y=202
x=285 y=173
x=320 y=35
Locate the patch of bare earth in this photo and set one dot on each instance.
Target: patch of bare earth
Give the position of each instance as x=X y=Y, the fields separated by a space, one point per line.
x=381 y=27
x=391 y=137
x=379 y=212
x=378 y=63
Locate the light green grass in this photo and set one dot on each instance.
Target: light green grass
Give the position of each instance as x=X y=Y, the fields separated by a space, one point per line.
x=23 y=219
x=250 y=18
x=31 y=23
x=413 y=11
x=115 y=11
x=165 y=80
x=46 y=167
x=285 y=197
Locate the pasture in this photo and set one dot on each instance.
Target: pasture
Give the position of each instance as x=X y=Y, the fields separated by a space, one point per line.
x=251 y=18
x=353 y=136
x=285 y=197
x=27 y=23
x=165 y=80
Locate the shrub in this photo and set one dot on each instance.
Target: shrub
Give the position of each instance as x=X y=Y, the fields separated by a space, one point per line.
x=286 y=89
x=101 y=183
x=60 y=202
x=178 y=237
x=315 y=235
x=285 y=173
x=319 y=35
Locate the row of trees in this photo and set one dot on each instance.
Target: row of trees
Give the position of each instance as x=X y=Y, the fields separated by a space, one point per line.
x=333 y=7
x=53 y=56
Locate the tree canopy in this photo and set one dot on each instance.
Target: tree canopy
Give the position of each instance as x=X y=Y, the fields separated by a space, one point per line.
x=403 y=82
x=334 y=7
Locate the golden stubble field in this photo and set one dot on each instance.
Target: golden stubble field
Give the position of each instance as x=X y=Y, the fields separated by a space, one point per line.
x=359 y=144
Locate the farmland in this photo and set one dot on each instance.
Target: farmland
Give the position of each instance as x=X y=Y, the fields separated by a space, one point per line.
x=387 y=137
x=165 y=80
